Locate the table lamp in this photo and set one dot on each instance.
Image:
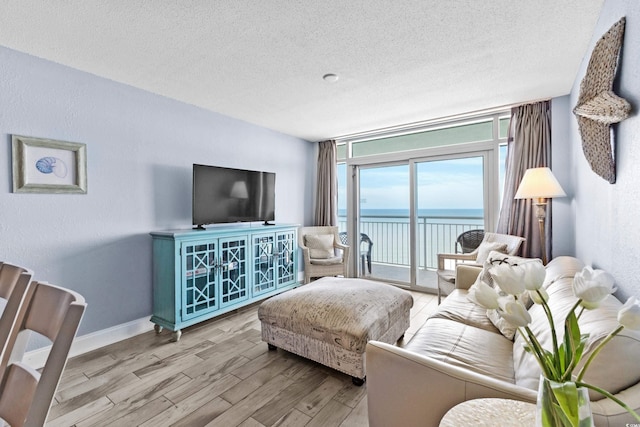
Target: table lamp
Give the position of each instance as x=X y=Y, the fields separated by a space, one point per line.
x=540 y=184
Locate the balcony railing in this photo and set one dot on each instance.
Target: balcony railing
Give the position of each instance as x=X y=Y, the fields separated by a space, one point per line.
x=436 y=234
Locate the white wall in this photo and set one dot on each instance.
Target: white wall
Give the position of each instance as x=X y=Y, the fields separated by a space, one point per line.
x=140 y=149
x=607 y=223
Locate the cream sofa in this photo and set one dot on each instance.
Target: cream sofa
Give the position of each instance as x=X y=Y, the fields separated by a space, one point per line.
x=460 y=355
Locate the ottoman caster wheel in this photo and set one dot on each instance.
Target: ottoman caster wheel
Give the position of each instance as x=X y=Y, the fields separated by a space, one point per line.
x=357 y=381
x=272 y=347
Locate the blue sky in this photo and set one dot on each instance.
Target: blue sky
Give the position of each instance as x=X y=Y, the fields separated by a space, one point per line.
x=445 y=184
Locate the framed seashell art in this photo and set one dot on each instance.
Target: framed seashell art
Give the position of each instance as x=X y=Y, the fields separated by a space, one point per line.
x=48 y=166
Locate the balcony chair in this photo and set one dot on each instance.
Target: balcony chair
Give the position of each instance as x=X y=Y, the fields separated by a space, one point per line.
x=469 y=240
x=365 y=255
x=447 y=276
x=55 y=313
x=323 y=252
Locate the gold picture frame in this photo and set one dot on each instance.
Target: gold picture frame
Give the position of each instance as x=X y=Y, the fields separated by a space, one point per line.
x=48 y=166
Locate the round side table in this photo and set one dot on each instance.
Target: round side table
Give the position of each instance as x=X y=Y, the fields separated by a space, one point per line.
x=490 y=412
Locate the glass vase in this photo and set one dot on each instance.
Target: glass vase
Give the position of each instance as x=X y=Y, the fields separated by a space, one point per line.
x=562 y=404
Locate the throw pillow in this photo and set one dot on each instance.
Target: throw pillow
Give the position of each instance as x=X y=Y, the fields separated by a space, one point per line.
x=320 y=245
x=506 y=329
x=486 y=248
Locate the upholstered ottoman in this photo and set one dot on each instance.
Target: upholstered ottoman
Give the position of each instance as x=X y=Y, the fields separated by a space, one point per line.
x=331 y=320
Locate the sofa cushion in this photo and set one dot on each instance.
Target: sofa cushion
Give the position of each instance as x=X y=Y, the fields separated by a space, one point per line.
x=326 y=261
x=561 y=267
x=598 y=323
x=458 y=308
x=465 y=346
x=320 y=245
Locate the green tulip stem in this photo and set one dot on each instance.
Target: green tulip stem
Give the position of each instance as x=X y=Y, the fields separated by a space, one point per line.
x=610 y=396
x=547 y=311
x=534 y=344
x=577 y=304
x=595 y=352
x=533 y=348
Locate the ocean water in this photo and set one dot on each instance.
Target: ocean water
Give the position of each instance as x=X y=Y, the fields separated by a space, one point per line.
x=437 y=232
x=425 y=216
x=447 y=213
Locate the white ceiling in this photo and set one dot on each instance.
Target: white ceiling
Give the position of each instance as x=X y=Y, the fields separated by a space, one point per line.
x=262 y=61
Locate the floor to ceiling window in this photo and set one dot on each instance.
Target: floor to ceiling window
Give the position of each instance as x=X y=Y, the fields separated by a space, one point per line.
x=405 y=195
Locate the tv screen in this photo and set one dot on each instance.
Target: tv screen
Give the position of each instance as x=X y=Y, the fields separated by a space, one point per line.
x=224 y=195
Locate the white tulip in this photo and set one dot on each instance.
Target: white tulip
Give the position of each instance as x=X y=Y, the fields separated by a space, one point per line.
x=509 y=278
x=592 y=286
x=539 y=295
x=483 y=295
x=629 y=314
x=534 y=273
x=513 y=312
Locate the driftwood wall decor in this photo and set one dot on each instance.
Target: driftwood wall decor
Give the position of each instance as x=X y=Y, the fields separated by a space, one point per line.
x=598 y=107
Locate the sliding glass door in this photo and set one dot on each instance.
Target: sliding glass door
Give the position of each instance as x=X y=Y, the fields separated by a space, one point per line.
x=384 y=223
x=449 y=200
x=408 y=212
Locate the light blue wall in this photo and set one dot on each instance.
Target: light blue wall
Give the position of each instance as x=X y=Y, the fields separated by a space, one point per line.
x=563 y=237
x=607 y=223
x=140 y=149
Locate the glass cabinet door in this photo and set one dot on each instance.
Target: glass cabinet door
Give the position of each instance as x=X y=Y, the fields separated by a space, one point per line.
x=264 y=271
x=286 y=244
x=233 y=270
x=199 y=272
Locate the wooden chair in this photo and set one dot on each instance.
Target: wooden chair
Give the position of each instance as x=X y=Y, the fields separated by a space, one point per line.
x=335 y=263
x=54 y=313
x=9 y=275
x=13 y=280
x=447 y=276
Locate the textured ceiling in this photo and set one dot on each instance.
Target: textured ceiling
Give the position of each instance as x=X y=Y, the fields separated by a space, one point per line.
x=262 y=61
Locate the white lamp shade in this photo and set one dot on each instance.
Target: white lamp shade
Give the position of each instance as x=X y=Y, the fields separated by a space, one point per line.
x=539 y=183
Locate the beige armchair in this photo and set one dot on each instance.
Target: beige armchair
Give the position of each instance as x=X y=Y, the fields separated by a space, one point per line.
x=447 y=270
x=323 y=253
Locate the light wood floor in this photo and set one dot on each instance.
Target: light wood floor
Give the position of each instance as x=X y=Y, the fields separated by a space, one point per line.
x=220 y=373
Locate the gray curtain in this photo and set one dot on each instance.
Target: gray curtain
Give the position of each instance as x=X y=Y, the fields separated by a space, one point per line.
x=529 y=146
x=327 y=185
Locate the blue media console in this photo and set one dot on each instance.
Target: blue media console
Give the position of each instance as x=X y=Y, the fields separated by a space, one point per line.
x=200 y=274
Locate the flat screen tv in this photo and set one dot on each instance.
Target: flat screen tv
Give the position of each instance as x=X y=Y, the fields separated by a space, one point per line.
x=225 y=195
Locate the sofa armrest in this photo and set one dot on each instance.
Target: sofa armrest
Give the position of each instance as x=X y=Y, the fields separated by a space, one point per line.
x=606 y=412
x=407 y=389
x=345 y=250
x=455 y=257
x=466 y=275
x=306 y=255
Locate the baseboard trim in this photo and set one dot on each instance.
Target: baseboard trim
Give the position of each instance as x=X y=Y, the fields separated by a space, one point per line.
x=85 y=343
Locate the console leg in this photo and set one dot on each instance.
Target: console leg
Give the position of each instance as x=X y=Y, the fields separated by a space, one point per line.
x=157 y=328
x=176 y=336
